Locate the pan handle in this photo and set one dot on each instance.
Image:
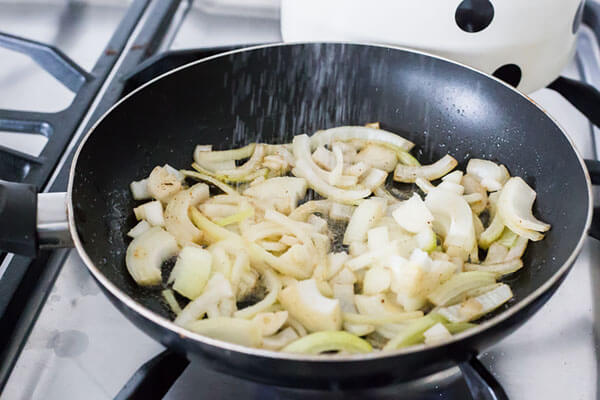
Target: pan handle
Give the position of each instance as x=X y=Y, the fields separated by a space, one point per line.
x=30 y=221
x=582 y=96
x=481 y=383
x=593 y=167
x=18 y=211
x=153 y=380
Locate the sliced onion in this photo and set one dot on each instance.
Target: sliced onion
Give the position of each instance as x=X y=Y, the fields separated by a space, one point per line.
x=500 y=269
x=271 y=322
x=495 y=254
x=458 y=327
x=377 y=280
x=345 y=294
x=492 y=232
x=295 y=324
x=452 y=187
x=177 y=220
x=263 y=230
x=207 y=178
x=272 y=246
x=514 y=206
x=215 y=210
x=357 y=169
x=279 y=187
x=453 y=177
x=478 y=225
x=363 y=218
x=347 y=133
x=279 y=340
x=324 y=158
x=341 y=212
x=336 y=172
x=151 y=212
x=246 y=175
x=140 y=228
x=473 y=198
x=508 y=238
x=381 y=319
x=335 y=263
x=320 y=342
x=139 y=190
x=407 y=159
x=413 y=215
x=163 y=185
x=491 y=175
x=518 y=248
x=301 y=148
x=217 y=288
x=382 y=192
x=302 y=212
x=303 y=170
x=169 y=297
x=424 y=185
x=404 y=173
x=472 y=188
x=301 y=230
x=233 y=330
x=274 y=287
x=203 y=155
x=245 y=212
x=259 y=256
x=455 y=288
x=474 y=308
x=305 y=303
x=413 y=333
x=378 y=157
x=436 y=334
x=453 y=220
x=191 y=271
x=374 y=178
x=146 y=253
x=358 y=329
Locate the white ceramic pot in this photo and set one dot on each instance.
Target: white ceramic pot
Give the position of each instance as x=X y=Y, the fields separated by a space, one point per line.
x=525 y=42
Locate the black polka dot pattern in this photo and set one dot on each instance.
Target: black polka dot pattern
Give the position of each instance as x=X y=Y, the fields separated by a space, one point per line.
x=577 y=19
x=474 y=15
x=509 y=73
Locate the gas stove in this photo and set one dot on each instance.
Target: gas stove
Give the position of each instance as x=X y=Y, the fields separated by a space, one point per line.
x=62 y=339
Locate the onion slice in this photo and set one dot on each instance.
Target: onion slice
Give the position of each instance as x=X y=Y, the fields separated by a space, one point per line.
x=347 y=133
x=475 y=307
x=406 y=173
x=304 y=170
x=500 y=269
x=203 y=155
x=274 y=286
x=453 y=220
x=514 y=206
x=454 y=289
x=233 y=330
x=413 y=332
x=320 y=342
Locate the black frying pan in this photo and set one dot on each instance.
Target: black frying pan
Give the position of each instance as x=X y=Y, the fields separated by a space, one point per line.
x=269 y=94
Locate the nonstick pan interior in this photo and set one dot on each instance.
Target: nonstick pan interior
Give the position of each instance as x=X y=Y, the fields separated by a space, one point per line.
x=269 y=94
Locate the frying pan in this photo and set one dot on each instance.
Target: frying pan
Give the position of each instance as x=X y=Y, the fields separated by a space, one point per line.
x=270 y=93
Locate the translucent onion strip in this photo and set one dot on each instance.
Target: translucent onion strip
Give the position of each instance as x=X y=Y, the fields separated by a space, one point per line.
x=274 y=286
x=347 y=133
x=406 y=173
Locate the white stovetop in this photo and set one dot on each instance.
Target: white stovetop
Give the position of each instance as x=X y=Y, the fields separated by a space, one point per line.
x=82 y=347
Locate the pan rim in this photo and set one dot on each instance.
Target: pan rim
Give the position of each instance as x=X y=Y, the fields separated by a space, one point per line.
x=188 y=335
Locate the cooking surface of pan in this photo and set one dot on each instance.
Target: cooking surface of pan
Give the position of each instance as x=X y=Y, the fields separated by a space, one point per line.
x=271 y=93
